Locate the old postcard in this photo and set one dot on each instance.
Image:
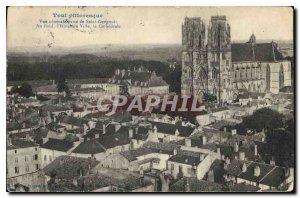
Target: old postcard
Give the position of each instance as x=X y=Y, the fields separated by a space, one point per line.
x=150 y=99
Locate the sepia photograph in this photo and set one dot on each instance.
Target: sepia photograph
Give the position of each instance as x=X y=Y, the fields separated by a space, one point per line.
x=150 y=99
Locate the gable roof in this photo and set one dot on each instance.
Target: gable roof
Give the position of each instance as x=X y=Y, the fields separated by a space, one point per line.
x=20 y=143
x=89 y=147
x=263 y=52
x=269 y=175
x=195 y=185
x=184 y=131
x=187 y=157
x=103 y=143
x=68 y=167
x=58 y=145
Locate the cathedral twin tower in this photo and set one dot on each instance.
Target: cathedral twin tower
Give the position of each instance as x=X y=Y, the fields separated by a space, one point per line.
x=206 y=58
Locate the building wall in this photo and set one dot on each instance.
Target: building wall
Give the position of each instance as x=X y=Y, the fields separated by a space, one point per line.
x=275 y=74
x=48 y=155
x=23 y=159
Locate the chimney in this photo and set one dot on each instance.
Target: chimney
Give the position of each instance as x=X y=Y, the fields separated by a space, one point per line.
x=242 y=155
x=188 y=142
x=244 y=168
x=27 y=137
x=255 y=150
x=123 y=72
x=75 y=182
x=130 y=133
x=236 y=146
x=177 y=132
x=80 y=172
x=233 y=132
x=155 y=129
x=219 y=152
x=272 y=161
x=175 y=151
x=103 y=128
x=141 y=171
x=187 y=186
x=204 y=140
x=256 y=171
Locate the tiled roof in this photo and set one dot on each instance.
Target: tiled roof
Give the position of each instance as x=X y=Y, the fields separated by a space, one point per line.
x=86 y=81
x=269 y=175
x=132 y=155
x=68 y=167
x=195 y=185
x=275 y=178
x=117 y=139
x=54 y=108
x=58 y=145
x=149 y=147
x=53 y=126
x=187 y=157
x=20 y=143
x=103 y=143
x=243 y=187
x=89 y=147
x=73 y=121
x=184 y=131
x=139 y=78
x=262 y=52
x=47 y=88
x=161 y=147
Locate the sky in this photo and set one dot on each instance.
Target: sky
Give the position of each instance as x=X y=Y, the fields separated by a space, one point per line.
x=141 y=25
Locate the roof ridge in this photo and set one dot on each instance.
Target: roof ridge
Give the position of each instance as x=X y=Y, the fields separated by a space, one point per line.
x=247 y=167
x=100 y=145
x=268 y=173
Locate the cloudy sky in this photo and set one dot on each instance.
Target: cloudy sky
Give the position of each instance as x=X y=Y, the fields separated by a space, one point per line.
x=142 y=25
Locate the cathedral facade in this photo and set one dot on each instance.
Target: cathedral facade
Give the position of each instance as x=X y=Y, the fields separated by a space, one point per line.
x=212 y=64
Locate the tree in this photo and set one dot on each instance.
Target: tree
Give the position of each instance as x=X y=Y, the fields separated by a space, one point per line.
x=207 y=97
x=25 y=90
x=280 y=146
x=14 y=89
x=61 y=85
x=264 y=118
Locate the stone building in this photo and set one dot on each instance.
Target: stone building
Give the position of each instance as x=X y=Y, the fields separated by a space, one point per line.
x=212 y=64
x=139 y=81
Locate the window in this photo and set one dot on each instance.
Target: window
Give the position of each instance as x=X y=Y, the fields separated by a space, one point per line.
x=172 y=166
x=189 y=170
x=16 y=160
x=36 y=167
x=35 y=149
x=36 y=157
x=26 y=158
x=27 y=168
x=180 y=168
x=17 y=170
x=15 y=151
x=45 y=157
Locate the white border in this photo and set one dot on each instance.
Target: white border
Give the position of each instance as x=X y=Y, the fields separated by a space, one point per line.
x=4 y=3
